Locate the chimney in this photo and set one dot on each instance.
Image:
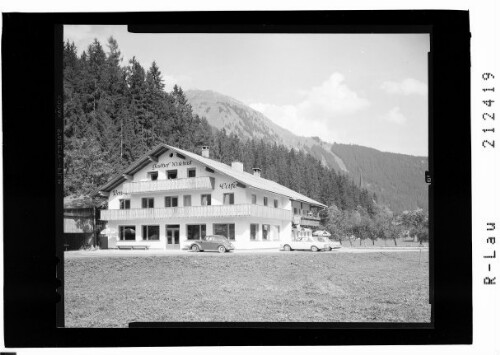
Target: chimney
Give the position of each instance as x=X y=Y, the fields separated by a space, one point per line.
x=236 y=165
x=256 y=172
x=205 y=151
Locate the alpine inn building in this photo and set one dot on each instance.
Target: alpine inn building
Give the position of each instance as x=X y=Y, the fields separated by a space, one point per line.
x=171 y=196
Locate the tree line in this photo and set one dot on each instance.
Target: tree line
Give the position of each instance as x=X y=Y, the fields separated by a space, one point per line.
x=348 y=225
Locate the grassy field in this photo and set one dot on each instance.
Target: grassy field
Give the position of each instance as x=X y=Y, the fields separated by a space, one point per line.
x=277 y=287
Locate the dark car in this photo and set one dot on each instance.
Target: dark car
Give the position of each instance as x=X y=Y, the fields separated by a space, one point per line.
x=210 y=242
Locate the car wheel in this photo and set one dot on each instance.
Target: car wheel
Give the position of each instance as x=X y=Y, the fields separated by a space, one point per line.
x=314 y=248
x=195 y=247
x=221 y=249
x=287 y=248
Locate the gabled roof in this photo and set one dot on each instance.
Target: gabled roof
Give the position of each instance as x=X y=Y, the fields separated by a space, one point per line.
x=241 y=176
x=132 y=169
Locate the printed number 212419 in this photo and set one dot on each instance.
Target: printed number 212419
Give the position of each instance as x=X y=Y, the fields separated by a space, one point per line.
x=487 y=116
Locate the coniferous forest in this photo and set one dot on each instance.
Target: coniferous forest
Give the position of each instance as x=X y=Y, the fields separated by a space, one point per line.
x=114 y=112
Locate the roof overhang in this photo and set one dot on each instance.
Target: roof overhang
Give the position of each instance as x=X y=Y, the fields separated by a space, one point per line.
x=153 y=155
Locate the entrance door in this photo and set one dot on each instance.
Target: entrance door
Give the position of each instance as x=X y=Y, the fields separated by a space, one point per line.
x=172 y=233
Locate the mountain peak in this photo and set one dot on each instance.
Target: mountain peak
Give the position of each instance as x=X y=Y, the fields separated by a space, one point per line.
x=210 y=96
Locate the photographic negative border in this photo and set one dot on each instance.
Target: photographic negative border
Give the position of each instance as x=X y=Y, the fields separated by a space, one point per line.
x=31 y=291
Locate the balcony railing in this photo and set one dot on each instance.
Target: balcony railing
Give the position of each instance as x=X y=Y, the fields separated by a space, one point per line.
x=196 y=183
x=309 y=222
x=215 y=211
x=312 y=217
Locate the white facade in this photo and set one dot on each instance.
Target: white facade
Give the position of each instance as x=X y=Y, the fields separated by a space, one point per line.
x=176 y=203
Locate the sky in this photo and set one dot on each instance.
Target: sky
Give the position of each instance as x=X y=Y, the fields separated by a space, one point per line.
x=365 y=89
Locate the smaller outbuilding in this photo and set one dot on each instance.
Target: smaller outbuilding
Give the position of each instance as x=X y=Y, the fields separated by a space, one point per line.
x=81 y=222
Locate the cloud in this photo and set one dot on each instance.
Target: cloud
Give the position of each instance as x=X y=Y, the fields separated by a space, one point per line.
x=287 y=116
x=332 y=97
x=408 y=86
x=395 y=116
x=184 y=81
x=320 y=106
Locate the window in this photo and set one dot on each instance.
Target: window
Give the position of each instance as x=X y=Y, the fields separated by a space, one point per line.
x=206 y=200
x=227 y=230
x=196 y=231
x=151 y=232
x=187 y=200
x=265 y=231
x=153 y=175
x=124 y=204
x=148 y=202
x=254 y=231
x=229 y=199
x=192 y=172
x=295 y=211
x=127 y=232
x=171 y=201
x=171 y=174
x=254 y=199
x=265 y=201
x=275 y=203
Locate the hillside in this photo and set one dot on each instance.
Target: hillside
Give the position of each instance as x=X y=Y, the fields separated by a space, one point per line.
x=396 y=179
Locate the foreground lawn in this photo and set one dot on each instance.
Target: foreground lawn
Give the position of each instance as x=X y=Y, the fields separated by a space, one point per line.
x=296 y=286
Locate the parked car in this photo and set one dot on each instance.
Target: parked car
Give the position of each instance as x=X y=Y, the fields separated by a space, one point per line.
x=331 y=243
x=304 y=242
x=210 y=242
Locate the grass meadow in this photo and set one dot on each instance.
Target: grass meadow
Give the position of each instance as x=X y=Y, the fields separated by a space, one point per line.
x=104 y=291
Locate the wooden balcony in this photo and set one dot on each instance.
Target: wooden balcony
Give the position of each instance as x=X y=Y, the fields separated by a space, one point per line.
x=188 y=184
x=310 y=217
x=214 y=211
x=309 y=223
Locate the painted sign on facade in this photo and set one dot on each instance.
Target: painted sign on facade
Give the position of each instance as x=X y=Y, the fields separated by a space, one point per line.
x=171 y=164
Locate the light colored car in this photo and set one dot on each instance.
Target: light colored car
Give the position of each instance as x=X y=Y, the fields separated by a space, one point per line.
x=332 y=244
x=305 y=242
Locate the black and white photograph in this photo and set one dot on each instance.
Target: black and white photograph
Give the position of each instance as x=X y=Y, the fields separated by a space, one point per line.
x=245 y=177
x=227 y=179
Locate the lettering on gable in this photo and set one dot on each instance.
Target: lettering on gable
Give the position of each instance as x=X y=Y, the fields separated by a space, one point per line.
x=228 y=185
x=119 y=193
x=170 y=164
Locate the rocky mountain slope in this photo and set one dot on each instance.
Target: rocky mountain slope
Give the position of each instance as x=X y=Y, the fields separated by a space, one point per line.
x=396 y=179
